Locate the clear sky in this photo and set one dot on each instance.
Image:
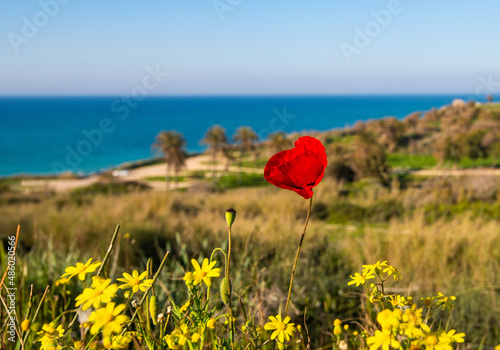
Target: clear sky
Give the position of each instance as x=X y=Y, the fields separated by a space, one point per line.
x=91 y=47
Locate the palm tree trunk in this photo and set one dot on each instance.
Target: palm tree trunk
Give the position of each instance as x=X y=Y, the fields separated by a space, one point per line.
x=167 y=177
x=242 y=154
x=214 y=156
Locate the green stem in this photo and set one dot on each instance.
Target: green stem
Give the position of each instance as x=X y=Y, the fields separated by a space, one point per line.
x=26 y=335
x=231 y=322
x=297 y=256
x=106 y=257
x=110 y=248
x=147 y=292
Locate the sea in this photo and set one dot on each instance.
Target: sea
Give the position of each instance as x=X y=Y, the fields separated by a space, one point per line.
x=86 y=135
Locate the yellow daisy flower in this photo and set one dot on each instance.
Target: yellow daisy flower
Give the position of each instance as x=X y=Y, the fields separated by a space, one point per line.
x=81 y=269
x=49 y=336
x=108 y=319
x=383 y=339
x=211 y=323
x=101 y=292
x=282 y=329
x=135 y=281
x=360 y=279
x=205 y=272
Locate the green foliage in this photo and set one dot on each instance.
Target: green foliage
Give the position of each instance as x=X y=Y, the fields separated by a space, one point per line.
x=163 y=178
x=411 y=161
x=235 y=180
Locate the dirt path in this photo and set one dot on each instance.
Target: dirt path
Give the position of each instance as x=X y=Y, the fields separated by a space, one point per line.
x=457 y=172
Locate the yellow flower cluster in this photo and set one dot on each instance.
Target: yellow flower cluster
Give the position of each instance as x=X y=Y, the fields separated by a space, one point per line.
x=407 y=328
x=49 y=336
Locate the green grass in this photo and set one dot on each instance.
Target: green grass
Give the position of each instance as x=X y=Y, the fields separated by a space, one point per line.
x=345 y=140
x=250 y=163
x=466 y=162
x=411 y=161
x=163 y=178
x=235 y=180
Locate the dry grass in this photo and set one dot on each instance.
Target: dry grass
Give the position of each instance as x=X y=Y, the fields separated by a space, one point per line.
x=460 y=256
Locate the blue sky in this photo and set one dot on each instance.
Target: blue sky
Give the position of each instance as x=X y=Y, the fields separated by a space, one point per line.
x=90 y=47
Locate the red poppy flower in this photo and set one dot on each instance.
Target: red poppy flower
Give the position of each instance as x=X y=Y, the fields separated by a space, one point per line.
x=298 y=169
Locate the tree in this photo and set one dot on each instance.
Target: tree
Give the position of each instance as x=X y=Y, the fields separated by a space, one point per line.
x=245 y=137
x=369 y=158
x=171 y=143
x=216 y=139
x=279 y=141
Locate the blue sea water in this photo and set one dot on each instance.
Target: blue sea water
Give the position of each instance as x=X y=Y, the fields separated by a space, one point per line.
x=44 y=135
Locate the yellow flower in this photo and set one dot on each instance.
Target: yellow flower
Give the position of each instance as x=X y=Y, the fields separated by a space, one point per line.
x=205 y=272
x=283 y=329
x=211 y=323
x=412 y=318
x=62 y=280
x=388 y=318
x=497 y=347
x=383 y=339
x=195 y=338
x=432 y=342
x=427 y=301
x=25 y=325
x=337 y=322
x=135 y=281
x=118 y=341
x=176 y=339
x=447 y=302
x=360 y=279
x=108 y=319
x=451 y=337
x=49 y=336
x=81 y=269
x=189 y=279
x=391 y=270
x=185 y=306
x=100 y=292
x=375 y=268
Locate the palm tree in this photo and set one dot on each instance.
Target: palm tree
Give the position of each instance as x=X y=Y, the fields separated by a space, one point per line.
x=279 y=141
x=216 y=139
x=246 y=138
x=171 y=143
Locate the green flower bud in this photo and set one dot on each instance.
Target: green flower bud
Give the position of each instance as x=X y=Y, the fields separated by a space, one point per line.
x=225 y=290
x=152 y=309
x=230 y=216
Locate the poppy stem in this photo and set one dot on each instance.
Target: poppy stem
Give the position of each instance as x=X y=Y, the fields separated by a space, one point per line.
x=297 y=256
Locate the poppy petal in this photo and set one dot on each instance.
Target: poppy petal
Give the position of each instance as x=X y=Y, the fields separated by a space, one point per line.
x=298 y=169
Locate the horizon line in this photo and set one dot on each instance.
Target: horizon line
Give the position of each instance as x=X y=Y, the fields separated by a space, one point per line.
x=253 y=95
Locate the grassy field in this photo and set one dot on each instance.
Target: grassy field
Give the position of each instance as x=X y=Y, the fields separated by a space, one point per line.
x=437 y=243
